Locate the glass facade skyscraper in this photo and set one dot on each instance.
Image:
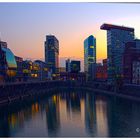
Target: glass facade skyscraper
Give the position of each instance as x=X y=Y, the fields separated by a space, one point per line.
x=117 y=36
x=90 y=57
x=52 y=52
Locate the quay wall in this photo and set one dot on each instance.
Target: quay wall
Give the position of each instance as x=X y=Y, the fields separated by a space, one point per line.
x=18 y=91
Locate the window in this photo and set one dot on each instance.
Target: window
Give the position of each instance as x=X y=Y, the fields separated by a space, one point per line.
x=91 y=47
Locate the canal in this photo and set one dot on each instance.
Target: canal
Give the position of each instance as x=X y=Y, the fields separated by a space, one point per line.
x=71 y=113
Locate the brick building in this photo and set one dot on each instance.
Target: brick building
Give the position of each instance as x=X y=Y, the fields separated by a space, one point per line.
x=131 y=62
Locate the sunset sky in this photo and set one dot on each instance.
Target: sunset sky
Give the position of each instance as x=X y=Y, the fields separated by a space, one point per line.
x=24 y=26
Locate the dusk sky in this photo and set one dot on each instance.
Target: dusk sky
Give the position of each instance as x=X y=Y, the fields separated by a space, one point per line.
x=24 y=26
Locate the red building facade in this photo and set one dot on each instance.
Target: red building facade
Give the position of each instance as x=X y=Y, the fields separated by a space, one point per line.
x=131 y=61
x=101 y=71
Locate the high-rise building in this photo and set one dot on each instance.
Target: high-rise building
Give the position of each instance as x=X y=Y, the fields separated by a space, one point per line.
x=52 y=52
x=75 y=66
x=131 y=62
x=90 y=57
x=117 y=36
x=68 y=69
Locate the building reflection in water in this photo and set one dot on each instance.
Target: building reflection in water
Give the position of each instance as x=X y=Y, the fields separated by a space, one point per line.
x=123 y=118
x=71 y=114
x=4 y=126
x=17 y=119
x=53 y=116
x=101 y=117
x=73 y=105
x=11 y=122
x=90 y=114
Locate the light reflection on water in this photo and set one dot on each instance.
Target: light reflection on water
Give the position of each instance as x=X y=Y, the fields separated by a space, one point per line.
x=71 y=114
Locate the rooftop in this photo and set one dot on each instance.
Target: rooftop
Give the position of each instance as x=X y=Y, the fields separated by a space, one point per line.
x=106 y=26
x=3 y=44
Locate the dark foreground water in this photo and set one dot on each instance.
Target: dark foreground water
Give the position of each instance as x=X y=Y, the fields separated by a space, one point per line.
x=71 y=114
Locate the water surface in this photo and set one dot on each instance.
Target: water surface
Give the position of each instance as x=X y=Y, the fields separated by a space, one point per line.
x=71 y=114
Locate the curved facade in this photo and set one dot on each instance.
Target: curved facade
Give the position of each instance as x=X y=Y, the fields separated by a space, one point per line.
x=10 y=69
x=10 y=58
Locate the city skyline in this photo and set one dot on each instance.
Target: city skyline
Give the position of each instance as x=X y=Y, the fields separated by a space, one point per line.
x=69 y=70
x=25 y=25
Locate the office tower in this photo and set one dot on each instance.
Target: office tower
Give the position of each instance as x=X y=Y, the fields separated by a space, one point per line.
x=75 y=66
x=52 y=52
x=117 y=36
x=131 y=62
x=68 y=65
x=90 y=57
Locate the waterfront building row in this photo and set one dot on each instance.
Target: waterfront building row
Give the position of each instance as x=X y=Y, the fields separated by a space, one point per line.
x=15 y=69
x=123 y=54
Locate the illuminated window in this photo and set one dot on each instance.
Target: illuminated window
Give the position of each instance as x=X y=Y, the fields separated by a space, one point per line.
x=90 y=58
x=91 y=47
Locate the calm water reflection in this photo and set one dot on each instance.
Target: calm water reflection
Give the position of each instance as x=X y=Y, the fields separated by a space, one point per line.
x=71 y=114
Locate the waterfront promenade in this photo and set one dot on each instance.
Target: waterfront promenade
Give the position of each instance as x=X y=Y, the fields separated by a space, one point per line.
x=18 y=91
